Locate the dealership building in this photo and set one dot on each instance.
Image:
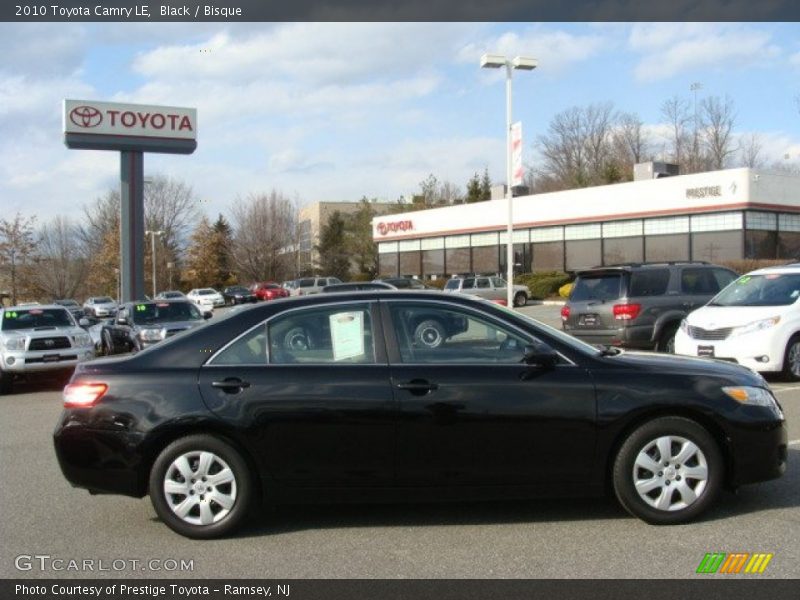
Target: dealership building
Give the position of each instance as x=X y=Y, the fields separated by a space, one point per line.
x=714 y=216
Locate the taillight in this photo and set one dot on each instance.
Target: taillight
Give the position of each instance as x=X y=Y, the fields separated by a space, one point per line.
x=564 y=312
x=627 y=312
x=83 y=394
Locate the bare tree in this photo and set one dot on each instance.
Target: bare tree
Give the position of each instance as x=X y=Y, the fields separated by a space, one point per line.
x=265 y=236
x=718 y=119
x=60 y=266
x=750 y=147
x=675 y=113
x=17 y=245
x=631 y=142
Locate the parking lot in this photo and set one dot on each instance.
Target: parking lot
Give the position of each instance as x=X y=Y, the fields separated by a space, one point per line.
x=43 y=515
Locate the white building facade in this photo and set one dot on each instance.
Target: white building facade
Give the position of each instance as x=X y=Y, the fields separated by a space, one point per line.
x=716 y=216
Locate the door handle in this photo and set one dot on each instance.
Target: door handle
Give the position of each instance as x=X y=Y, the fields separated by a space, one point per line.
x=418 y=387
x=231 y=385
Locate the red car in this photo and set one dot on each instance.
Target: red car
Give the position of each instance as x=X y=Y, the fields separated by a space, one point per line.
x=269 y=291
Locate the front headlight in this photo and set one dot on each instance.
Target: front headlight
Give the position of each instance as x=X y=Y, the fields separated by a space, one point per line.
x=14 y=343
x=83 y=339
x=685 y=326
x=151 y=335
x=755 y=326
x=754 y=396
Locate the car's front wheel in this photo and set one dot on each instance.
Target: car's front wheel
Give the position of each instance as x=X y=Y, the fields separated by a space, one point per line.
x=791 y=359
x=520 y=299
x=201 y=487
x=668 y=471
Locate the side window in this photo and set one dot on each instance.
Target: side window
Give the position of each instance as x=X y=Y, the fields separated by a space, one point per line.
x=437 y=335
x=468 y=284
x=698 y=281
x=649 y=282
x=333 y=334
x=250 y=349
x=483 y=283
x=498 y=283
x=723 y=277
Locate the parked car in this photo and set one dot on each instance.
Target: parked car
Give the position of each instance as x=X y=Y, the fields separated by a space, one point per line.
x=139 y=325
x=357 y=286
x=755 y=322
x=491 y=288
x=404 y=283
x=249 y=407
x=639 y=305
x=238 y=294
x=75 y=309
x=289 y=285
x=170 y=295
x=313 y=285
x=206 y=297
x=269 y=290
x=100 y=306
x=39 y=339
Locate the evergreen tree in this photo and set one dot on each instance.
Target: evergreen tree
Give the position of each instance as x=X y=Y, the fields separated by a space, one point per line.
x=332 y=248
x=474 y=191
x=486 y=185
x=223 y=238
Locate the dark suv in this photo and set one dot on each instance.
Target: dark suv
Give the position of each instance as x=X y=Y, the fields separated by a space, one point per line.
x=639 y=305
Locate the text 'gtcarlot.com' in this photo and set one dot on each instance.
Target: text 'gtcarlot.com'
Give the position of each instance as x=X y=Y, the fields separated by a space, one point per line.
x=45 y=562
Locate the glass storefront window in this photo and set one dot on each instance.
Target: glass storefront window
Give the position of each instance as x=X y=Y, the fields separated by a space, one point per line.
x=582 y=254
x=622 y=250
x=662 y=248
x=432 y=262
x=716 y=247
x=486 y=259
x=409 y=263
x=548 y=256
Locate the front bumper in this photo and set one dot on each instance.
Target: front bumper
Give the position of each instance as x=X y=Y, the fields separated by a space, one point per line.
x=757 y=351
x=27 y=361
x=757 y=453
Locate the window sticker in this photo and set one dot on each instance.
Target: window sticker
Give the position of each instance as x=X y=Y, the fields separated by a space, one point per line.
x=743 y=280
x=347 y=335
x=141 y=308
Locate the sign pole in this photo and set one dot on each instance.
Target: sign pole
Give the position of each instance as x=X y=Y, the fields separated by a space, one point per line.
x=131 y=238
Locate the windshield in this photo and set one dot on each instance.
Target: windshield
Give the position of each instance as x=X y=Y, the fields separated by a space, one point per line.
x=36 y=317
x=238 y=290
x=165 y=312
x=606 y=286
x=771 y=289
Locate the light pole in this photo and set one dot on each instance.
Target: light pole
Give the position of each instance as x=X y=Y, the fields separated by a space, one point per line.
x=153 y=235
x=496 y=61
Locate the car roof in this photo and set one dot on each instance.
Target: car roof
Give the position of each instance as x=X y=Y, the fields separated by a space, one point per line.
x=789 y=268
x=34 y=307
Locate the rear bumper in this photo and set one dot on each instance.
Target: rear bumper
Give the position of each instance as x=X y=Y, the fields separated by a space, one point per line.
x=639 y=338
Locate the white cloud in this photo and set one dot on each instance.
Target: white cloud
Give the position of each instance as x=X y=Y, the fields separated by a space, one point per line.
x=668 y=49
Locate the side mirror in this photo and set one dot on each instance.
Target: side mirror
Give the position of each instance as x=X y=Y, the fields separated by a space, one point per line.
x=540 y=356
x=208 y=314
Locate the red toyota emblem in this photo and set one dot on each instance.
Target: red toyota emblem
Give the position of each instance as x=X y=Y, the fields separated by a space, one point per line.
x=85 y=116
x=382 y=229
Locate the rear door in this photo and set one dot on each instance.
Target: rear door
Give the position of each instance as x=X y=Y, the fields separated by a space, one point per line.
x=309 y=389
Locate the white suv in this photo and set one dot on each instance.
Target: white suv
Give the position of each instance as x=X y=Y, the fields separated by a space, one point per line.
x=754 y=321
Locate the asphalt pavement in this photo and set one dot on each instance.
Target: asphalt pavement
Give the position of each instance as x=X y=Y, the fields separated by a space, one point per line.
x=43 y=516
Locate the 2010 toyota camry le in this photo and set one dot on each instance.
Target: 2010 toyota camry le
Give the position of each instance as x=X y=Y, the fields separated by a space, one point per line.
x=392 y=395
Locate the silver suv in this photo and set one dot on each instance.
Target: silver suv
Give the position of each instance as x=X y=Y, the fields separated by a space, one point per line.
x=491 y=288
x=312 y=285
x=37 y=339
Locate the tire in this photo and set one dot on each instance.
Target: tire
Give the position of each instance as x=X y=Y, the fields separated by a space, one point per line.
x=791 y=359
x=6 y=383
x=107 y=343
x=666 y=343
x=520 y=299
x=665 y=501
x=429 y=334
x=222 y=506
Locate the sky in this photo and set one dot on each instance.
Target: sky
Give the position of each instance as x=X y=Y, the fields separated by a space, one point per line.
x=338 y=111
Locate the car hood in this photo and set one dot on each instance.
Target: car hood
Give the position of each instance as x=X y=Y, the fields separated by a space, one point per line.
x=687 y=366
x=719 y=317
x=44 y=333
x=169 y=325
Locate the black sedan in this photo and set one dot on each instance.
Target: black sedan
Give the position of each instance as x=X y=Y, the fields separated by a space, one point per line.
x=142 y=324
x=336 y=396
x=238 y=294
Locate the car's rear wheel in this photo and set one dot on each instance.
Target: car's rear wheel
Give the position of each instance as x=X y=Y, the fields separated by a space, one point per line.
x=429 y=334
x=791 y=359
x=201 y=487
x=520 y=299
x=668 y=471
x=666 y=343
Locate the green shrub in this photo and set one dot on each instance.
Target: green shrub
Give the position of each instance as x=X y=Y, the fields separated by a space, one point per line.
x=544 y=284
x=436 y=283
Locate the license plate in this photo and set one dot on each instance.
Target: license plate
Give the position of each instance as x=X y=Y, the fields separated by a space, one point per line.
x=705 y=351
x=588 y=320
x=51 y=358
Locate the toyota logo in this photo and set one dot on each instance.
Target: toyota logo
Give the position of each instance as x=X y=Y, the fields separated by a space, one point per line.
x=85 y=116
x=49 y=343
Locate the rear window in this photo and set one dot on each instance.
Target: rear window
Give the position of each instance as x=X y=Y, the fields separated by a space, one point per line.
x=452 y=284
x=649 y=282
x=606 y=286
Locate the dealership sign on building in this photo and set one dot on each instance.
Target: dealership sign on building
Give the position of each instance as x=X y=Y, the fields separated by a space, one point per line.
x=93 y=125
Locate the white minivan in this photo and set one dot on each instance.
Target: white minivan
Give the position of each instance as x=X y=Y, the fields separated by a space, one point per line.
x=754 y=321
